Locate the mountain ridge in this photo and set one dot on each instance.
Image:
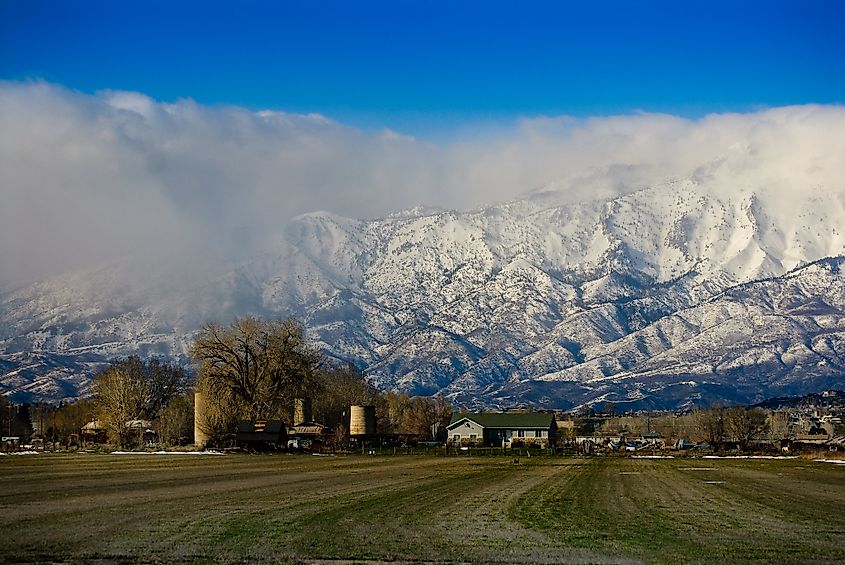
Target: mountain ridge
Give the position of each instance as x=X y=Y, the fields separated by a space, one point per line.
x=532 y=301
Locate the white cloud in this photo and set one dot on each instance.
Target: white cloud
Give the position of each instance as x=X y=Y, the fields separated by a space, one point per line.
x=85 y=178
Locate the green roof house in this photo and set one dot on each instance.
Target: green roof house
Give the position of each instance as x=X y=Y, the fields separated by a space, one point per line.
x=508 y=429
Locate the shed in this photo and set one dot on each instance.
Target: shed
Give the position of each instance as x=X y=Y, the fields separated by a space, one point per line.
x=261 y=435
x=308 y=435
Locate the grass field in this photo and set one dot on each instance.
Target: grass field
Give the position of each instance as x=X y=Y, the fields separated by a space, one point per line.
x=484 y=509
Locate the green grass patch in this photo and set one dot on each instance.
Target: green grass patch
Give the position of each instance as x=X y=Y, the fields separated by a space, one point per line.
x=286 y=508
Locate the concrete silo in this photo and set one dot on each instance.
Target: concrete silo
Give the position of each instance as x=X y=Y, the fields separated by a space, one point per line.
x=200 y=437
x=362 y=421
x=302 y=411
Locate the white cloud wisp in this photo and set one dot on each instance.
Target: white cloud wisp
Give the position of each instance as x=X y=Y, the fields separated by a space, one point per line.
x=87 y=178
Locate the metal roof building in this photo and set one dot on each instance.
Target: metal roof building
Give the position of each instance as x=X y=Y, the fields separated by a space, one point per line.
x=261 y=434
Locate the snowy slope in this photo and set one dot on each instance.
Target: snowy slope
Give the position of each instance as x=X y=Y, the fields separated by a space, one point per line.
x=695 y=290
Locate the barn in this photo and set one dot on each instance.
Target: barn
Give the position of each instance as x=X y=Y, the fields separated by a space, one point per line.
x=261 y=435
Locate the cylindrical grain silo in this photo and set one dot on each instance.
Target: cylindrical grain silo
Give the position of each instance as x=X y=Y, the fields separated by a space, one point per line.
x=302 y=411
x=200 y=437
x=362 y=420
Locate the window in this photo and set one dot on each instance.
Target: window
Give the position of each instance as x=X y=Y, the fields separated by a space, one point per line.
x=456 y=438
x=520 y=433
x=473 y=438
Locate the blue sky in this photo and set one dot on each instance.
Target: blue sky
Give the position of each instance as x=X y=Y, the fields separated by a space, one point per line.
x=431 y=67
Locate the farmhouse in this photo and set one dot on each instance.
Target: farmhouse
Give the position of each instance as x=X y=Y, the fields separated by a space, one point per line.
x=503 y=429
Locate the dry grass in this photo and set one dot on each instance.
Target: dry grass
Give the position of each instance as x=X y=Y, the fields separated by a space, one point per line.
x=300 y=508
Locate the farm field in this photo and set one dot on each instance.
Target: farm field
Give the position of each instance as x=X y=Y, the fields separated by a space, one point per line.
x=286 y=508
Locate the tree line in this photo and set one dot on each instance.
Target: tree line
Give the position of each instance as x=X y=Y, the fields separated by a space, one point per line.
x=740 y=425
x=250 y=369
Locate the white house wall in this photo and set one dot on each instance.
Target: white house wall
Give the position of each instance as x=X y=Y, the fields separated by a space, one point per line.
x=466 y=429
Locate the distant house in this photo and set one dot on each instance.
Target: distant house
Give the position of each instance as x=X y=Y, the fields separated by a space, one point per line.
x=651 y=440
x=506 y=429
x=142 y=429
x=94 y=432
x=10 y=443
x=684 y=443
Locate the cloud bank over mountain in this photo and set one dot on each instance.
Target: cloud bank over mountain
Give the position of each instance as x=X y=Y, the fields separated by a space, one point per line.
x=90 y=178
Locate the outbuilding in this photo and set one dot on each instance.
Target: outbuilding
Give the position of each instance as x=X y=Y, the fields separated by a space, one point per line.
x=261 y=435
x=310 y=436
x=94 y=432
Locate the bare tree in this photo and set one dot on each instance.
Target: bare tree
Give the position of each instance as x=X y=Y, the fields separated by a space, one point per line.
x=779 y=424
x=67 y=419
x=710 y=425
x=15 y=419
x=165 y=381
x=131 y=389
x=390 y=412
x=398 y=413
x=419 y=416
x=257 y=365
x=176 y=419
x=341 y=387
x=7 y=417
x=745 y=424
x=423 y=412
x=119 y=398
x=443 y=415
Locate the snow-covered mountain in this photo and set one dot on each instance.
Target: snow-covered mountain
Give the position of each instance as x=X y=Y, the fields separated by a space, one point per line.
x=693 y=291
